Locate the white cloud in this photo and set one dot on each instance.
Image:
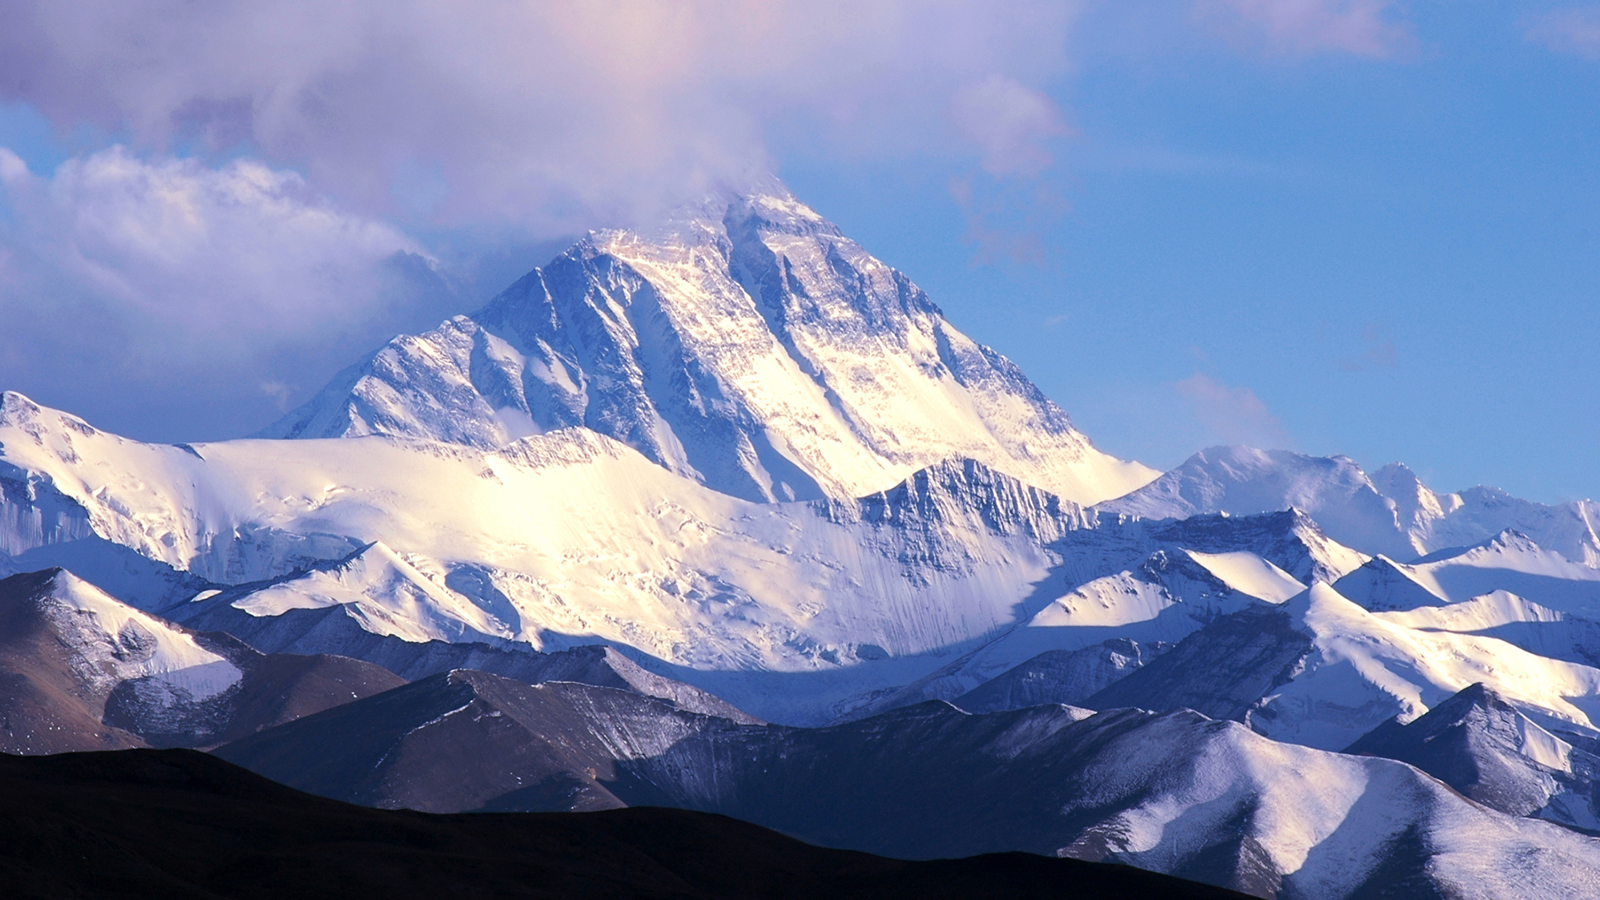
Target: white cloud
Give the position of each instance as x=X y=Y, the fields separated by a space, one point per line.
x=239 y=256
x=147 y=294
x=12 y=169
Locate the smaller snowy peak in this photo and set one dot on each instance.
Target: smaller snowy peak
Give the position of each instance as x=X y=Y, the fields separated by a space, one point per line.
x=963 y=491
x=1509 y=561
x=1441 y=520
x=1156 y=601
x=1415 y=505
x=1381 y=585
x=1290 y=540
x=111 y=642
x=1242 y=481
x=1249 y=574
x=1511 y=549
x=1222 y=670
x=1390 y=512
x=82 y=671
x=1480 y=744
x=1321 y=670
x=16 y=408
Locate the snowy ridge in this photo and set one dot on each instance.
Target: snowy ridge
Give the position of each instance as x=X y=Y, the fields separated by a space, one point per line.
x=1153 y=583
x=571 y=538
x=1389 y=513
x=802 y=612
x=384 y=594
x=749 y=346
x=564 y=539
x=1320 y=670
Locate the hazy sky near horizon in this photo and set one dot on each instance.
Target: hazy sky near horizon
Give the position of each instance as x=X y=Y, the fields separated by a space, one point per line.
x=1367 y=227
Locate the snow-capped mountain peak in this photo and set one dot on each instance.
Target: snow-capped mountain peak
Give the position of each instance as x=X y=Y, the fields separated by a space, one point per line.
x=747 y=345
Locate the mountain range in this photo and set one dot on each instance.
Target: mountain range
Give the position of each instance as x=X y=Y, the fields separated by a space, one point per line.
x=725 y=515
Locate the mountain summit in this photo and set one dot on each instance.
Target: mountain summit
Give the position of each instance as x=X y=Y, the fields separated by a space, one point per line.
x=748 y=345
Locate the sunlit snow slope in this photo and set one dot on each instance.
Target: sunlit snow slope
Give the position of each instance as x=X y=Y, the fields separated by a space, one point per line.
x=749 y=346
x=794 y=611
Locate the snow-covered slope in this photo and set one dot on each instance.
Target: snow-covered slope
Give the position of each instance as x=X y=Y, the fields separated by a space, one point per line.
x=80 y=670
x=1506 y=562
x=748 y=345
x=1149 y=582
x=1390 y=512
x=1506 y=587
x=1439 y=521
x=796 y=612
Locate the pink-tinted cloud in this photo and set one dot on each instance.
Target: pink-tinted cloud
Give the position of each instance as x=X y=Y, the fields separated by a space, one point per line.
x=1007 y=217
x=1298 y=28
x=546 y=116
x=1007 y=207
x=1575 y=31
x=1232 y=415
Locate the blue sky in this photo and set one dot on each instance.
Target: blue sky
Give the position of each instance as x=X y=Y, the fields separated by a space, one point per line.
x=1337 y=226
x=1399 y=258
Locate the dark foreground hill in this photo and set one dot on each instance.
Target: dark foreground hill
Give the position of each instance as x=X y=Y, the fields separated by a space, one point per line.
x=181 y=824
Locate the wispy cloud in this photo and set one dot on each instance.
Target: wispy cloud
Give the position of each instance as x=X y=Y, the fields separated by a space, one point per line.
x=1232 y=415
x=1010 y=123
x=1007 y=217
x=1299 y=28
x=1377 y=351
x=1575 y=31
